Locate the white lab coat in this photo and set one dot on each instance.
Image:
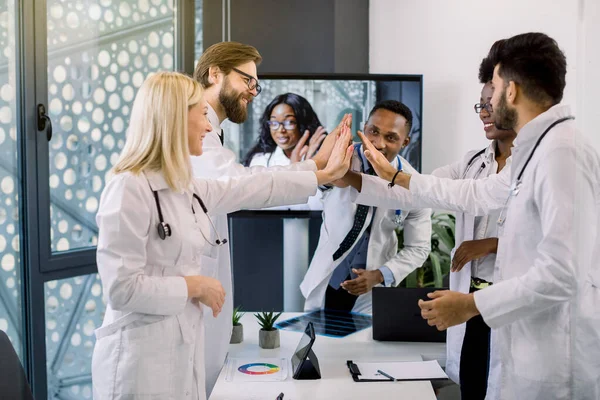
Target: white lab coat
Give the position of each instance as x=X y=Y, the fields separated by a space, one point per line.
x=278 y=158
x=218 y=162
x=472 y=166
x=151 y=344
x=338 y=218
x=544 y=302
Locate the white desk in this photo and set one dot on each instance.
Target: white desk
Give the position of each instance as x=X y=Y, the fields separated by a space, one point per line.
x=335 y=382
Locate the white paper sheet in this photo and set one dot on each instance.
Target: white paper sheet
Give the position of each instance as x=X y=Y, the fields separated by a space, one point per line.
x=409 y=370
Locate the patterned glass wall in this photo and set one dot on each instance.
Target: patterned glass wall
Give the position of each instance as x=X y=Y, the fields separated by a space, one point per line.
x=74 y=309
x=99 y=53
x=198 y=29
x=10 y=256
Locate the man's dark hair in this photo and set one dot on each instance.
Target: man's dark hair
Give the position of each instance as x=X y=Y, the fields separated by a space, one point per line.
x=397 y=108
x=486 y=70
x=535 y=62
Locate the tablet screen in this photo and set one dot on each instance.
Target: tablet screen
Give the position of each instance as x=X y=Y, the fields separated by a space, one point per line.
x=303 y=347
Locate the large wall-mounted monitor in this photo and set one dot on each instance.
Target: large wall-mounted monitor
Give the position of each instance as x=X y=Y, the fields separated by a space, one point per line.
x=331 y=96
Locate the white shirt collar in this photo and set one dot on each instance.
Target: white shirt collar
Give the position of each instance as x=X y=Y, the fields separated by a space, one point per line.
x=213 y=118
x=157 y=180
x=490 y=151
x=534 y=128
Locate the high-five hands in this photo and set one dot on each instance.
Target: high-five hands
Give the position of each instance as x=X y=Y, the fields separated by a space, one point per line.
x=381 y=165
x=340 y=158
x=324 y=152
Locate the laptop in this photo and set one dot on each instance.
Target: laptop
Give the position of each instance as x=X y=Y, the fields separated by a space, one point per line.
x=397 y=317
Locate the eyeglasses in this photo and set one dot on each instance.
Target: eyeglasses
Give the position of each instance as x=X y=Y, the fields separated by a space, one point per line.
x=288 y=125
x=480 y=106
x=252 y=82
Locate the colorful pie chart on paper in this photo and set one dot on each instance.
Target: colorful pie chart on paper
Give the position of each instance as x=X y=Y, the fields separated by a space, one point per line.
x=259 y=369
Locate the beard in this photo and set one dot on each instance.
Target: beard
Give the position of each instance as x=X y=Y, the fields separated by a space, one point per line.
x=505 y=118
x=231 y=101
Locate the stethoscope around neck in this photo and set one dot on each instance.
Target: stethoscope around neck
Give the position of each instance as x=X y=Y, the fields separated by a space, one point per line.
x=471 y=162
x=516 y=186
x=164 y=229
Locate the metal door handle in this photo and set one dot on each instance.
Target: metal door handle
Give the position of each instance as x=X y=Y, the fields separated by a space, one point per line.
x=43 y=121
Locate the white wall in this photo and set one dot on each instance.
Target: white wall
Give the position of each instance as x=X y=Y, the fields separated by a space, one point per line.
x=446 y=40
x=588 y=75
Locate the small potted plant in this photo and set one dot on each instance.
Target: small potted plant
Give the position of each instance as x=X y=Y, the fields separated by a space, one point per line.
x=237 y=334
x=268 y=336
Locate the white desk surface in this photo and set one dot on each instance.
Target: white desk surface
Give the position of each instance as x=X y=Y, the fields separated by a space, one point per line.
x=336 y=381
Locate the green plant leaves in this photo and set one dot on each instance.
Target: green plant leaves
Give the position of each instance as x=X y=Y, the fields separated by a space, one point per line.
x=267 y=320
x=443 y=236
x=437 y=265
x=237 y=315
x=411 y=279
x=438 y=276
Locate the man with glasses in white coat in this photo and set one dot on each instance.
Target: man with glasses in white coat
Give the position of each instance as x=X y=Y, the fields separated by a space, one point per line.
x=227 y=71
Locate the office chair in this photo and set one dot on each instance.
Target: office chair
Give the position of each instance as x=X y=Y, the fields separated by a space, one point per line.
x=13 y=383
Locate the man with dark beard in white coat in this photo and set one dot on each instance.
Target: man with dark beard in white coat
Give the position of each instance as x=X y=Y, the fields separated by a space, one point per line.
x=544 y=303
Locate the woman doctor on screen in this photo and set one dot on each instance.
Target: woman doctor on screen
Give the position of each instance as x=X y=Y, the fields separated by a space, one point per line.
x=154 y=225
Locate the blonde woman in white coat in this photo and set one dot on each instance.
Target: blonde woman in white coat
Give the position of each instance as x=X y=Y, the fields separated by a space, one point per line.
x=471 y=361
x=154 y=226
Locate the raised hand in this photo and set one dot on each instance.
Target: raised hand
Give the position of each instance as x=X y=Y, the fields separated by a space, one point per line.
x=324 y=152
x=301 y=148
x=380 y=164
x=340 y=159
x=315 y=142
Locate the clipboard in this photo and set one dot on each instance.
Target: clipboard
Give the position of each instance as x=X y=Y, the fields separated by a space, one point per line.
x=355 y=372
x=403 y=371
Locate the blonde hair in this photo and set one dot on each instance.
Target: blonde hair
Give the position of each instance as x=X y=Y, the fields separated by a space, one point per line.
x=226 y=56
x=157 y=137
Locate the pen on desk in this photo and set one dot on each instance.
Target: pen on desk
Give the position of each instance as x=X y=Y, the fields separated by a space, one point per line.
x=280 y=397
x=386 y=375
